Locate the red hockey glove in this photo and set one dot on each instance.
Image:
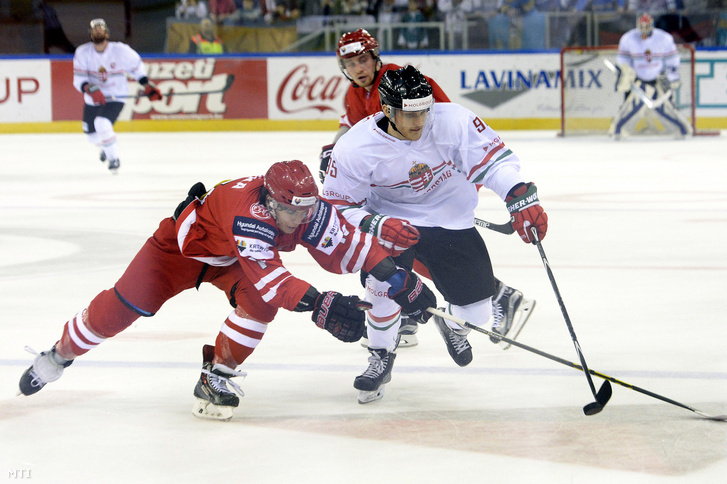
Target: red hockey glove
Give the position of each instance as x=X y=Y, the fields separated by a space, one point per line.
x=151 y=91
x=342 y=316
x=412 y=295
x=325 y=160
x=395 y=234
x=95 y=92
x=524 y=207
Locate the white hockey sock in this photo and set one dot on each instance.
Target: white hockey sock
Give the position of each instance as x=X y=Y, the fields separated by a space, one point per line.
x=107 y=137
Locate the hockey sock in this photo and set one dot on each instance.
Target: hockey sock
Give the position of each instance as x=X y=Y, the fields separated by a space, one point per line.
x=383 y=332
x=107 y=137
x=237 y=339
x=77 y=337
x=477 y=313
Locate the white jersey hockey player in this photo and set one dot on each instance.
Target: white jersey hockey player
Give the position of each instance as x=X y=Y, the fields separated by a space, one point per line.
x=408 y=175
x=100 y=70
x=648 y=57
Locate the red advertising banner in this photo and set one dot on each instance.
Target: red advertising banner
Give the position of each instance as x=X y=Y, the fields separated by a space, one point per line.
x=202 y=78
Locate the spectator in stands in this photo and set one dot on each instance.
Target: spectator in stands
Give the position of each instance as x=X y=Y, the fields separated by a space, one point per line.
x=455 y=18
x=652 y=6
x=192 y=9
x=222 y=10
x=599 y=5
x=280 y=10
x=206 y=41
x=413 y=37
x=529 y=20
x=53 y=34
x=250 y=13
x=353 y=7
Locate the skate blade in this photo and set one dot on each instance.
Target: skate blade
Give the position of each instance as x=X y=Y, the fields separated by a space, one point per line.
x=368 y=397
x=408 y=340
x=204 y=409
x=522 y=315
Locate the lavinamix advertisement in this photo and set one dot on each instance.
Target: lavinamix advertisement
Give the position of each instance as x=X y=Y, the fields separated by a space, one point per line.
x=523 y=88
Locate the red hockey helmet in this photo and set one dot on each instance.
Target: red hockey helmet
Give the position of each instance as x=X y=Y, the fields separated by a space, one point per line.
x=356 y=43
x=292 y=188
x=645 y=24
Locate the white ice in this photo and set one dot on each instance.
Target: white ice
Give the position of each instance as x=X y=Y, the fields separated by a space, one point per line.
x=636 y=242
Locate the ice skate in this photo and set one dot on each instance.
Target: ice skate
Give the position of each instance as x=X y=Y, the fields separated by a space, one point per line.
x=47 y=367
x=510 y=311
x=102 y=156
x=456 y=340
x=407 y=332
x=114 y=165
x=214 y=399
x=371 y=382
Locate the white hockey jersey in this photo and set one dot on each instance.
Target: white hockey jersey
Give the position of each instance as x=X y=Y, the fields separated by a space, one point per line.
x=651 y=56
x=107 y=69
x=429 y=182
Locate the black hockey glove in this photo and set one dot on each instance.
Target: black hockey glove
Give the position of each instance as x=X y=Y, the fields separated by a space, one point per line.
x=342 y=316
x=412 y=295
x=325 y=158
x=196 y=192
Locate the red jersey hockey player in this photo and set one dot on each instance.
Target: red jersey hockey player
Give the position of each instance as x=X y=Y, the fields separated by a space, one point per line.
x=232 y=237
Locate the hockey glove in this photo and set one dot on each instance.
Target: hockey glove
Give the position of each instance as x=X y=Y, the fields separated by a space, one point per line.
x=412 y=295
x=525 y=211
x=342 y=316
x=325 y=160
x=151 y=91
x=395 y=234
x=95 y=92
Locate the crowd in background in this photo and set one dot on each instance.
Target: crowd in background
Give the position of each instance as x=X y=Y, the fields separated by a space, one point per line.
x=499 y=17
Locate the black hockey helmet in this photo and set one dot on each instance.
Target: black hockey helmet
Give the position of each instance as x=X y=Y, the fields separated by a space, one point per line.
x=406 y=89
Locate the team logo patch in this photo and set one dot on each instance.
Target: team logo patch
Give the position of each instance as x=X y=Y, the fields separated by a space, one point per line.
x=260 y=212
x=420 y=176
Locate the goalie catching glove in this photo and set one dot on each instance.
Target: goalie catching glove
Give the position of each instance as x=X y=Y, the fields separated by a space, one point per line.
x=412 y=295
x=525 y=211
x=342 y=316
x=395 y=234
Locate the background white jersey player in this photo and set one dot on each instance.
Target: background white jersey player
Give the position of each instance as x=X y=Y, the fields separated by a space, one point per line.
x=100 y=69
x=648 y=56
x=407 y=175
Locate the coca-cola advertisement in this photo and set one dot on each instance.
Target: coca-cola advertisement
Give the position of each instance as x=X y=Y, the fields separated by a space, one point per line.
x=309 y=87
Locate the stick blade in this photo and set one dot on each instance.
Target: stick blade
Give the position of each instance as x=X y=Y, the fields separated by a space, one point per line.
x=602 y=398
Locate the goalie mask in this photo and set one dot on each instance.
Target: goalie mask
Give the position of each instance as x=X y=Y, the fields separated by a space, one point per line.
x=352 y=44
x=292 y=194
x=405 y=95
x=99 y=31
x=645 y=25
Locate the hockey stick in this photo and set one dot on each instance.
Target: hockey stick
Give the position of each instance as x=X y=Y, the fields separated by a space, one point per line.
x=465 y=324
x=604 y=393
x=502 y=228
x=228 y=82
x=650 y=103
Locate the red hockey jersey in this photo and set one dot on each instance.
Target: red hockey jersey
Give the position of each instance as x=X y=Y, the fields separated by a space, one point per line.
x=230 y=226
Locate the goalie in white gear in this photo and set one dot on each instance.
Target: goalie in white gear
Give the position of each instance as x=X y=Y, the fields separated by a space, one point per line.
x=648 y=75
x=408 y=175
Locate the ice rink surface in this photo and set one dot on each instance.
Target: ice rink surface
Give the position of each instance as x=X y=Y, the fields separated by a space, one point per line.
x=636 y=242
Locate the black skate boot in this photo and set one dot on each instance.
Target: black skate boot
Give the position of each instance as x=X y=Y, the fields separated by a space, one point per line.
x=47 y=367
x=102 y=156
x=510 y=312
x=114 y=165
x=371 y=382
x=456 y=340
x=214 y=399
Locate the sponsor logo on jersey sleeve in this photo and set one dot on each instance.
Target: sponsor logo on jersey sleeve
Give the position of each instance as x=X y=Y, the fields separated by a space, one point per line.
x=253 y=235
x=324 y=232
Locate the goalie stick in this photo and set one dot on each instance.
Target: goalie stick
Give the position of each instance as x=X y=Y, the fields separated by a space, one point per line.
x=228 y=82
x=465 y=324
x=650 y=103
